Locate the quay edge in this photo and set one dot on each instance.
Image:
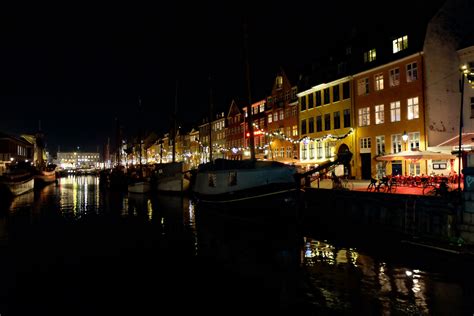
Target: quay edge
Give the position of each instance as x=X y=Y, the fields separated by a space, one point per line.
x=433 y=222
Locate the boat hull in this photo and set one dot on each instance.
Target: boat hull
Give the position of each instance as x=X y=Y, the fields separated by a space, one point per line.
x=173 y=184
x=45 y=178
x=170 y=177
x=139 y=187
x=251 y=189
x=16 y=188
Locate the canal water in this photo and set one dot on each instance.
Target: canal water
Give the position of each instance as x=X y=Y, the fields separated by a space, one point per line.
x=72 y=249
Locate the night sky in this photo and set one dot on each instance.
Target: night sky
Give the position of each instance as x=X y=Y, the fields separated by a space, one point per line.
x=76 y=69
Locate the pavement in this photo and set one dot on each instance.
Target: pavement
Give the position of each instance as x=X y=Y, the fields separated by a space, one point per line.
x=361 y=185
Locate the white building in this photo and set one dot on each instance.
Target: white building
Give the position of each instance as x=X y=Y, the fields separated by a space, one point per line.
x=78 y=160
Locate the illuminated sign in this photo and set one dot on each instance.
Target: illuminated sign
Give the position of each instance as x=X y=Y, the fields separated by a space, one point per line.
x=255 y=133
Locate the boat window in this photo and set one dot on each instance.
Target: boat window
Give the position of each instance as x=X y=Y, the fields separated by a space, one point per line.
x=212 y=180
x=232 y=178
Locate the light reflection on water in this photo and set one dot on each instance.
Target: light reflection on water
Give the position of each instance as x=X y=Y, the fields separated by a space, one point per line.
x=79 y=195
x=345 y=279
x=352 y=281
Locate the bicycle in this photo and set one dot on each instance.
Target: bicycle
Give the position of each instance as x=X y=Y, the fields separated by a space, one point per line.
x=392 y=185
x=346 y=184
x=384 y=185
x=437 y=190
x=372 y=185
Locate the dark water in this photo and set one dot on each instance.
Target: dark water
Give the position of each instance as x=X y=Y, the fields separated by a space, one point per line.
x=71 y=249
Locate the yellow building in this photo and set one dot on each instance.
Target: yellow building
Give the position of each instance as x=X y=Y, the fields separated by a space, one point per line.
x=388 y=104
x=325 y=122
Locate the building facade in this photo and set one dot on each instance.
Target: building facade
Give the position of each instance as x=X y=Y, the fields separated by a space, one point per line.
x=282 y=120
x=388 y=104
x=325 y=122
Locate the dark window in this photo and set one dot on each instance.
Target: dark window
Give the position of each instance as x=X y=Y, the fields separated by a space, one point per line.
x=346 y=90
x=311 y=125
x=327 y=122
x=303 y=103
x=232 y=178
x=347 y=118
x=303 y=127
x=310 y=101
x=472 y=107
x=326 y=96
x=319 y=123
x=212 y=179
x=318 y=98
x=337 y=120
x=335 y=93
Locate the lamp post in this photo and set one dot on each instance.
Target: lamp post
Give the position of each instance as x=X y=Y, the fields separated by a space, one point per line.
x=405 y=139
x=466 y=71
x=461 y=88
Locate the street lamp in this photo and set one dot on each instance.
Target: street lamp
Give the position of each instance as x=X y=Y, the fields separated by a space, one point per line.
x=469 y=73
x=405 y=138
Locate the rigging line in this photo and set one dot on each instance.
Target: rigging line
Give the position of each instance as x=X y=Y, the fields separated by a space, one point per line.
x=443 y=78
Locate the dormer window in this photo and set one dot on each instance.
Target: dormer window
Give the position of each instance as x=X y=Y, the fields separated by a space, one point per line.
x=370 y=56
x=400 y=43
x=279 y=82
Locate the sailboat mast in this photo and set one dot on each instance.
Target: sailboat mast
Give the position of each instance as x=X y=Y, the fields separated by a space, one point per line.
x=211 y=110
x=140 y=138
x=173 y=123
x=249 y=91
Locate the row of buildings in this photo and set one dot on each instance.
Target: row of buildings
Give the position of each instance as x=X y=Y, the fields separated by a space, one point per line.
x=407 y=89
x=404 y=87
x=28 y=148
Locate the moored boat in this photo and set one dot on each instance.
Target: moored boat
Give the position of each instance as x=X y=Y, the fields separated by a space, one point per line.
x=17 y=183
x=170 y=177
x=139 y=187
x=44 y=177
x=246 y=183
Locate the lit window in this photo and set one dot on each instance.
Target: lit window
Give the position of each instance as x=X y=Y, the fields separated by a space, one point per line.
x=394 y=77
x=378 y=82
x=270 y=118
x=414 y=140
x=363 y=86
x=365 y=142
x=400 y=44
x=262 y=107
x=370 y=56
x=279 y=82
x=412 y=72
x=415 y=169
x=379 y=114
x=397 y=143
x=413 y=108
x=319 y=150
x=380 y=145
x=395 y=111
x=364 y=116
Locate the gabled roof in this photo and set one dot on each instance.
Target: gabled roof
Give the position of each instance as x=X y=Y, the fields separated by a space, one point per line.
x=233 y=109
x=286 y=84
x=15 y=138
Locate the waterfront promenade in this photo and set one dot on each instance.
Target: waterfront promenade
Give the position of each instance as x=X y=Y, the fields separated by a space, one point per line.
x=361 y=185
